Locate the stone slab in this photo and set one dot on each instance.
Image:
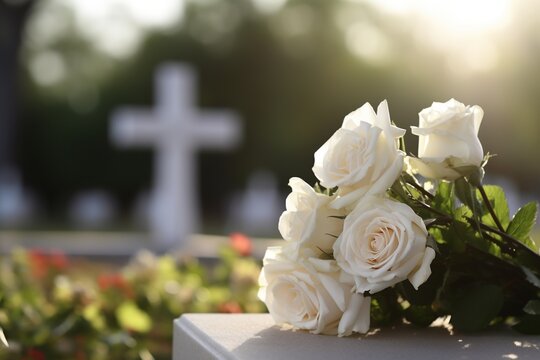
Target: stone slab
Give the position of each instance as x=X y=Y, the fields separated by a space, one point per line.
x=243 y=336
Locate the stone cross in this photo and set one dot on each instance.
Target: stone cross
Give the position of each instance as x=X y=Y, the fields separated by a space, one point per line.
x=176 y=129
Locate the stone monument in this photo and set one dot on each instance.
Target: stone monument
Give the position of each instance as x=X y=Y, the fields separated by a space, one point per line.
x=176 y=130
x=255 y=336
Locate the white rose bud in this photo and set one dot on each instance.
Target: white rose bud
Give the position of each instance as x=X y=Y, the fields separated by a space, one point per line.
x=309 y=223
x=309 y=295
x=362 y=156
x=383 y=242
x=448 y=144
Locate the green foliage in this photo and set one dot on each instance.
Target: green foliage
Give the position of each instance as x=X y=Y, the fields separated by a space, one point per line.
x=477 y=308
x=466 y=194
x=523 y=222
x=385 y=309
x=130 y=317
x=444 y=199
x=49 y=310
x=421 y=315
x=498 y=202
x=532 y=307
x=427 y=292
x=487 y=268
x=531 y=276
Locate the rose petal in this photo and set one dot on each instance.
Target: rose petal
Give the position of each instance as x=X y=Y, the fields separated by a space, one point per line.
x=365 y=113
x=356 y=317
x=433 y=170
x=421 y=275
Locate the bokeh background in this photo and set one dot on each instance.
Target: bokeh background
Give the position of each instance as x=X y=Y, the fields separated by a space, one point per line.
x=292 y=70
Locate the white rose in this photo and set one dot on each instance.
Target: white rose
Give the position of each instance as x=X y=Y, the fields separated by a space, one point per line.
x=448 y=139
x=362 y=156
x=309 y=223
x=383 y=242
x=309 y=295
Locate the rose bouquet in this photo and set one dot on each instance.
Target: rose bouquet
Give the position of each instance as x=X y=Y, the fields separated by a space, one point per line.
x=384 y=237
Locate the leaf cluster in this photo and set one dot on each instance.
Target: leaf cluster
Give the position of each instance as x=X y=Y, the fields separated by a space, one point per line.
x=58 y=313
x=487 y=269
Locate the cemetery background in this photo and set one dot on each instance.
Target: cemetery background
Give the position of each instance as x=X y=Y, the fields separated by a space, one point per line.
x=290 y=69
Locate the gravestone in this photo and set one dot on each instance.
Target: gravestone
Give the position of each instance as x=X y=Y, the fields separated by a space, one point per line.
x=245 y=336
x=92 y=209
x=17 y=205
x=176 y=130
x=245 y=211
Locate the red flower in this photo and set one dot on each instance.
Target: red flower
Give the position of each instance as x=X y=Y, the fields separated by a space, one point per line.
x=38 y=263
x=42 y=262
x=114 y=281
x=58 y=260
x=241 y=244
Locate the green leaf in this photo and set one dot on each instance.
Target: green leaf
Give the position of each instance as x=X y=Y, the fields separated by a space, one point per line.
x=423 y=296
x=462 y=213
x=531 y=276
x=477 y=308
x=444 y=199
x=532 y=307
x=523 y=222
x=529 y=259
x=497 y=198
x=398 y=191
x=131 y=317
x=421 y=315
x=460 y=232
x=427 y=292
x=529 y=324
x=530 y=243
x=385 y=309
x=65 y=326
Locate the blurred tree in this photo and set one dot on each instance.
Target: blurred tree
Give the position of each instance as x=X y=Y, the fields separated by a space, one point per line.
x=292 y=74
x=13 y=16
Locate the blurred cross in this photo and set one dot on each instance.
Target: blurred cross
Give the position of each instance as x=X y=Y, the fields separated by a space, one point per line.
x=176 y=129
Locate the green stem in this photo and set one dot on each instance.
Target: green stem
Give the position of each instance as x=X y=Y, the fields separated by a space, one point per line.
x=518 y=245
x=511 y=242
x=490 y=208
x=435 y=211
x=504 y=246
x=437 y=222
x=422 y=190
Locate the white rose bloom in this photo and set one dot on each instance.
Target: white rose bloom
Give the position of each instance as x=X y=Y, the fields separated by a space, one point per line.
x=309 y=295
x=383 y=242
x=309 y=223
x=362 y=156
x=448 y=139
